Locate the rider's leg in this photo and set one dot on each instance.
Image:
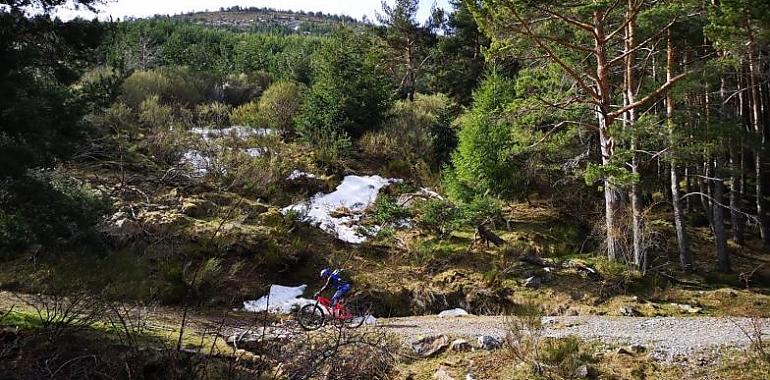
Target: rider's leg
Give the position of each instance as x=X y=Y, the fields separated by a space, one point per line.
x=340 y=294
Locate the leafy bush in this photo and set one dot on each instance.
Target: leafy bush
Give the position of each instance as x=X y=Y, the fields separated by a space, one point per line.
x=350 y=90
x=616 y=276
x=242 y=88
x=166 y=146
x=48 y=207
x=387 y=210
x=280 y=104
x=413 y=131
x=263 y=176
x=215 y=114
x=481 y=211
x=170 y=84
x=153 y=114
x=439 y=216
x=247 y=115
x=119 y=118
x=483 y=163
x=550 y=358
x=331 y=145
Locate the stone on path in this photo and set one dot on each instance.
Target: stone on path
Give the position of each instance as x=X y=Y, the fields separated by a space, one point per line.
x=442 y=374
x=489 y=343
x=430 y=345
x=460 y=345
x=458 y=312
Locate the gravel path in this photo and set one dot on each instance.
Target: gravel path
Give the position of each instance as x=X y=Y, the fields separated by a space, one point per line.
x=667 y=337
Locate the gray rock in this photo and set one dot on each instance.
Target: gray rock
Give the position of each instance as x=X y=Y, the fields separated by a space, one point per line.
x=197 y=208
x=533 y=282
x=629 y=311
x=430 y=345
x=460 y=345
x=632 y=350
x=489 y=343
x=259 y=342
x=442 y=374
x=586 y=372
x=688 y=308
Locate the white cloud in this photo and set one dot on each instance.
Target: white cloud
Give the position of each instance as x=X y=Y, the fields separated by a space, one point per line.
x=144 y=8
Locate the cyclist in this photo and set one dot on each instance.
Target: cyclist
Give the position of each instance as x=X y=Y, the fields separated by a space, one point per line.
x=336 y=281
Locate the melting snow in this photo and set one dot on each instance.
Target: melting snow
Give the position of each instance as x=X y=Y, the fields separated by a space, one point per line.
x=297 y=174
x=200 y=163
x=352 y=196
x=256 y=152
x=283 y=299
x=453 y=313
x=239 y=132
x=369 y=320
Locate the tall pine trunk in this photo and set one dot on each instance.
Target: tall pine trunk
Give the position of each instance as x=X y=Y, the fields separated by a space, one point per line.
x=613 y=196
x=639 y=251
x=736 y=202
x=720 y=237
x=681 y=232
x=756 y=112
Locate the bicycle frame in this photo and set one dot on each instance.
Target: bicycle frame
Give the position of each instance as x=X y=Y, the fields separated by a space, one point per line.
x=338 y=310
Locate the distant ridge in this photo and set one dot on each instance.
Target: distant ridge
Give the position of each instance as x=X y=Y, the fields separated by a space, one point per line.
x=270 y=20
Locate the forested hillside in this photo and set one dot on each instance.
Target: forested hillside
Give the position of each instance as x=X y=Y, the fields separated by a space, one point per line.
x=506 y=157
x=268 y=20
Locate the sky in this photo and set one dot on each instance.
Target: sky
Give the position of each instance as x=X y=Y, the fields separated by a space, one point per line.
x=144 y=8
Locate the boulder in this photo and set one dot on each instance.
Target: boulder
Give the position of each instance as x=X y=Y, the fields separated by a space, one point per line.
x=533 y=282
x=460 y=345
x=586 y=372
x=271 y=218
x=442 y=374
x=197 y=208
x=258 y=342
x=431 y=345
x=632 y=350
x=629 y=311
x=243 y=355
x=458 y=312
x=489 y=343
x=687 y=308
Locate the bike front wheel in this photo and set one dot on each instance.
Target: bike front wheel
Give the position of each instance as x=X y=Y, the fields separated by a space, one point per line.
x=311 y=317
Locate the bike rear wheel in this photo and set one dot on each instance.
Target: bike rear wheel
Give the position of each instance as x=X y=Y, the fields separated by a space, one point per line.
x=311 y=317
x=358 y=314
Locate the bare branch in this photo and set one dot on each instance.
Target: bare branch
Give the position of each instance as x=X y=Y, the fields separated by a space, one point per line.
x=582 y=25
x=590 y=91
x=649 y=39
x=753 y=218
x=631 y=16
x=662 y=89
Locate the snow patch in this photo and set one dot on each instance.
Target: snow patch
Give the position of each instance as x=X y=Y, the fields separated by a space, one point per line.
x=339 y=212
x=458 y=312
x=256 y=152
x=237 y=131
x=283 y=299
x=368 y=320
x=199 y=162
x=297 y=174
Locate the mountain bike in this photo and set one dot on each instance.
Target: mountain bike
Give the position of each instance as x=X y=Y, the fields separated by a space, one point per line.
x=314 y=316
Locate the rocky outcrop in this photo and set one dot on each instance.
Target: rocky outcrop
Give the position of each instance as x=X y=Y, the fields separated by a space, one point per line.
x=489 y=343
x=431 y=345
x=460 y=345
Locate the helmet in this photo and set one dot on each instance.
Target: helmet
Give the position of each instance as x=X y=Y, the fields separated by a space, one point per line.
x=325 y=272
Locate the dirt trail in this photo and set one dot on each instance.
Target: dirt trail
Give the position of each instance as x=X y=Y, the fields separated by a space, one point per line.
x=666 y=337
